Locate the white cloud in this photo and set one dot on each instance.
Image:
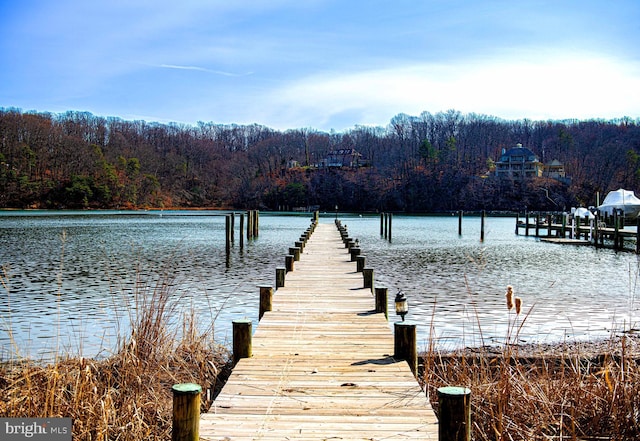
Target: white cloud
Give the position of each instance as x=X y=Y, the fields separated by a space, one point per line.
x=542 y=87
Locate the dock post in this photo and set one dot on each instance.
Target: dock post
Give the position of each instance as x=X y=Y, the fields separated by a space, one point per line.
x=249 y=224
x=227 y=232
x=280 y=273
x=367 y=274
x=548 y=225
x=454 y=422
x=577 y=223
x=460 y=223
x=390 y=223
x=386 y=224
x=266 y=300
x=295 y=252
x=360 y=261
x=381 y=224
x=241 y=340
x=482 y=226
x=517 y=223
x=355 y=252
x=563 y=230
x=186 y=412
x=256 y=223
x=288 y=262
x=241 y=235
x=381 y=301
x=233 y=226
x=404 y=344
x=538 y=225
x=526 y=223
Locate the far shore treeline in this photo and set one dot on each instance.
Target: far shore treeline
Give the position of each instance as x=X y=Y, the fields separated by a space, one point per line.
x=427 y=163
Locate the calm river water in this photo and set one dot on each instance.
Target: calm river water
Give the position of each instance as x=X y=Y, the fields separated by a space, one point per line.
x=70 y=278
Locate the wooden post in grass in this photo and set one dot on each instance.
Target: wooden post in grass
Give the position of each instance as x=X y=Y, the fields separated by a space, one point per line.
x=266 y=300
x=241 y=340
x=454 y=422
x=186 y=412
x=381 y=301
x=404 y=344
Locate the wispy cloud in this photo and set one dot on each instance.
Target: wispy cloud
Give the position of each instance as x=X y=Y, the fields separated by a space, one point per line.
x=203 y=69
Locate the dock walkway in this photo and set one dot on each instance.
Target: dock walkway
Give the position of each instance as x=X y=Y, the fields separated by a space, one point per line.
x=322 y=365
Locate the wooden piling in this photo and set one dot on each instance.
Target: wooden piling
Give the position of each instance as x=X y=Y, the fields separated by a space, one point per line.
x=460 y=223
x=404 y=344
x=295 y=252
x=241 y=235
x=227 y=230
x=386 y=225
x=538 y=225
x=280 y=274
x=482 y=216
x=354 y=252
x=367 y=274
x=526 y=223
x=360 y=262
x=232 y=216
x=266 y=300
x=381 y=224
x=288 y=262
x=390 y=225
x=241 y=340
x=249 y=224
x=517 y=223
x=186 y=412
x=454 y=422
x=381 y=301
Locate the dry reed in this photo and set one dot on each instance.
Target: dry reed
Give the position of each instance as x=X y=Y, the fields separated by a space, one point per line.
x=577 y=392
x=126 y=396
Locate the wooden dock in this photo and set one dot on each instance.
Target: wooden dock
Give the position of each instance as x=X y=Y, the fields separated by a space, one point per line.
x=322 y=365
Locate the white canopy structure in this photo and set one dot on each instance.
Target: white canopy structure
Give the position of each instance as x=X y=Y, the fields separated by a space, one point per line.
x=621 y=199
x=582 y=212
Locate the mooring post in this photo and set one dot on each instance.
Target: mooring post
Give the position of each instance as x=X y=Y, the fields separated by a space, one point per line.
x=280 y=274
x=186 y=412
x=526 y=223
x=360 y=262
x=295 y=252
x=256 y=224
x=233 y=227
x=548 y=225
x=404 y=344
x=227 y=231
x=563 y=230
x=288 y=262
x=460 y=223
x=249 y=224
x=538 y=225
x=386 y=224
x=390 y=225
x=241 y=235
x=367 y=274
x=241 y=340
x=355 y=252
x=266 y=300
x=381 y=301
x=454 y=422
x=517 y=223
x=482 y=226
x=381 y=224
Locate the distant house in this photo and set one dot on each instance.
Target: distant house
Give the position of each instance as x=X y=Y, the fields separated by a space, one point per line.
x=519 y=162
x=343 y=158
x=555 y=170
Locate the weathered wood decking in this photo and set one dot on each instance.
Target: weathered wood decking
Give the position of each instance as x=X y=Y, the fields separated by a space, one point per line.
x=322 y=365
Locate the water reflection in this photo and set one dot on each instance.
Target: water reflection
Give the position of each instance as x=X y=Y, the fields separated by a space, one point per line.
x=76 y=292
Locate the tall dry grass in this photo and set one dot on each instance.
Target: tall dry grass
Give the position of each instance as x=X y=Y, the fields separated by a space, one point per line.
x=126 y=396
x=568 y=391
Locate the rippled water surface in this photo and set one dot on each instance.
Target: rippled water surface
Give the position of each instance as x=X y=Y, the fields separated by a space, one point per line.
x=72 y=278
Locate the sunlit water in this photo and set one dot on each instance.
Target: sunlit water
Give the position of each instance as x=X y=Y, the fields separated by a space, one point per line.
x=72 y=279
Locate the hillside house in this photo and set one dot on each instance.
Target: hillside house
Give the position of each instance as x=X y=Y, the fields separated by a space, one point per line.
x=519 y=162
x=343 y=158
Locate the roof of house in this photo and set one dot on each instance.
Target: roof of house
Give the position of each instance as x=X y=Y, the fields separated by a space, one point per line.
x=518 y=152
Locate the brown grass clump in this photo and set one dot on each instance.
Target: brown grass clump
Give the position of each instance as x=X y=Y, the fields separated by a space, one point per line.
x=126 y=396
x=588 y=391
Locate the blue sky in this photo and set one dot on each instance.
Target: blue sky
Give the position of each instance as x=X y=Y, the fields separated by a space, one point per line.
x=322 y=64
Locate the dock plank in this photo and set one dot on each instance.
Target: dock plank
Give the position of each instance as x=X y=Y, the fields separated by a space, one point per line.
x=322 y=365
